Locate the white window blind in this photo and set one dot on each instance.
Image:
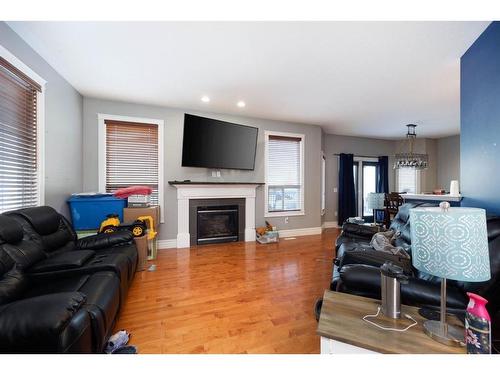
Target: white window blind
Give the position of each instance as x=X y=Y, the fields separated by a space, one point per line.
x=131 y=156
x=19 y=177
x=284 y=173
x=408 y=180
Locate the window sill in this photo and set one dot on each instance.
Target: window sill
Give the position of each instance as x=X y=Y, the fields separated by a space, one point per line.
x=284 y=213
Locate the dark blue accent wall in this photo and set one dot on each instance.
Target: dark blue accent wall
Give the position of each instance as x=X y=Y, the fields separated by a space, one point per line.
x=480 y=122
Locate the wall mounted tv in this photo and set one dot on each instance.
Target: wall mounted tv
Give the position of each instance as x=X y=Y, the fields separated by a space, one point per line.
x=210 y=143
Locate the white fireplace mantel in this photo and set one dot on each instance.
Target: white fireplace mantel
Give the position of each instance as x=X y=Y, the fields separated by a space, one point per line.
x=187 y=191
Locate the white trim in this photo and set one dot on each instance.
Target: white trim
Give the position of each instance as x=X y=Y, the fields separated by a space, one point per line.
x=329 y=346
x=323 y=183
x=284 y=213
x=12 y=59
x=330 y=224
x=300 y=232
x=267 y=133
x=101 y=139
x=172 y=243
x=40 y=119
x=40 y=123
x=167 y=244
x=359 y=194
x=187 y=192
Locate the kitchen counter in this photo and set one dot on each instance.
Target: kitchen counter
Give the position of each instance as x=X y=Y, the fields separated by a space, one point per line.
x=432 y=197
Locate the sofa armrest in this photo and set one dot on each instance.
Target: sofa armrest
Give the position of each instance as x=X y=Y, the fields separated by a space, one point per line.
x=372 y=257
x=62 y=261
x=359 y=231
x=46 y=323
x=104 y=240
x=365 y=280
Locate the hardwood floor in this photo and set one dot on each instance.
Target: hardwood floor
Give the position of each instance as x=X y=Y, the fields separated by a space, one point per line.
x=231 y=298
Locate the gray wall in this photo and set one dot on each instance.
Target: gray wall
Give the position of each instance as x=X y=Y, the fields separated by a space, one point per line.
x=174 y=119
x=335 y=144
x=63 y=124
x=448 y=155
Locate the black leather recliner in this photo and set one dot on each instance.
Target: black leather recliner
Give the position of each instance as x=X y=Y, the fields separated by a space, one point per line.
x=356 y=271
x=53 y=296
x=56 y=250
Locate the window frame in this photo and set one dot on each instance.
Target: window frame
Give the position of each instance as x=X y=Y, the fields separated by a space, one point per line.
x=284 y=213
x=360 y=162
x=323 y=183
x=418 y=181
x=40 y=119
x=101 y=119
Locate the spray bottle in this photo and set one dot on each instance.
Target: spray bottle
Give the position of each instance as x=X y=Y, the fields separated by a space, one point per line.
x=477 y=326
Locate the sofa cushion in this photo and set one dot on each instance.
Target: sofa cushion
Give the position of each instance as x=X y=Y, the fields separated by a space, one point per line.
x=10 y=230
x=25 y=253
x=12 y=286
x=49 y=230
x=44 y=219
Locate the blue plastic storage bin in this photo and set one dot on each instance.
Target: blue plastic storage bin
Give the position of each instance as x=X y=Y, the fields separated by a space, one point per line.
x=88 y=212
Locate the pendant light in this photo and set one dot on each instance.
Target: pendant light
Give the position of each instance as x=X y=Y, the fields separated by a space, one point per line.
x=410 y=159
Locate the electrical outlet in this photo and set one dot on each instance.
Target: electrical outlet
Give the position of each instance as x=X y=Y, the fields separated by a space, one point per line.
x=335 y=190
x=218 y=173
x=286 y=220
x=214 y=174
x=336 y=213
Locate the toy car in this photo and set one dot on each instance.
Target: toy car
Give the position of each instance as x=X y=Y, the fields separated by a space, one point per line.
x=137 y=228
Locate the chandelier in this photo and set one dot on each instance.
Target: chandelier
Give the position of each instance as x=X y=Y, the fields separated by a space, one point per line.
x=410 y=159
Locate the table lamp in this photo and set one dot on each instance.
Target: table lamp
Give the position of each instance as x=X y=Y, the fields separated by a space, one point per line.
x=451 y=243
x=375 y=201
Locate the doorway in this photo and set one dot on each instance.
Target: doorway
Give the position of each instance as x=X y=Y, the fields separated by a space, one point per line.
x=365 y=182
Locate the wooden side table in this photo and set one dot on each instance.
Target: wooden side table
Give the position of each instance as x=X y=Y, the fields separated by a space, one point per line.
x=343 y=330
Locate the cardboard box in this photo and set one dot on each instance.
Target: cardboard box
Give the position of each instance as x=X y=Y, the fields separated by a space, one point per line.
x=132 y=213
x=139 y=201
x=142 y=252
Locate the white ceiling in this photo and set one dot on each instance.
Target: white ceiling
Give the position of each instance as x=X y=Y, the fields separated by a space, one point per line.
x=352 y=78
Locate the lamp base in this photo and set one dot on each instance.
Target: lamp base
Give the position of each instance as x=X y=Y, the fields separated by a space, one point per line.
x=444 y=333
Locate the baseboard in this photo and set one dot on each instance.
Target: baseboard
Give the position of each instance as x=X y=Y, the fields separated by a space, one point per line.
x=330 y=224
x=167 y=244
x=172 y=244
x=300 y=232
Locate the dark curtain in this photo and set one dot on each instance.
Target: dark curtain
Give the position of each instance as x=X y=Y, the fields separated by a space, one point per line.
x=382 y=181
x=347 y=196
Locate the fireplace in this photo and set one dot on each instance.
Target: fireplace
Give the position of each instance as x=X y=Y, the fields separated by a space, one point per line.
x=216 y=220
x=217 y=224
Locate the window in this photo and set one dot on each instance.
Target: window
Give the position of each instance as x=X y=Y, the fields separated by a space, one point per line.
x=131 y=154
x=284 y=174
x=408 y=180
x=21 y=151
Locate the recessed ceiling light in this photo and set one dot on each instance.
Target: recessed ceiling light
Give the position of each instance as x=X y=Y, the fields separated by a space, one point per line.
x=205 y=99
x=241 y=104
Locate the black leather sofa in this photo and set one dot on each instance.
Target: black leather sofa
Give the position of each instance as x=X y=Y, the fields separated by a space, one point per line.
x=356 y=270
x=59 y=294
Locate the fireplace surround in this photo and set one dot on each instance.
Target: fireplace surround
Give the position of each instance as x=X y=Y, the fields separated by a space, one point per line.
x=188 y=190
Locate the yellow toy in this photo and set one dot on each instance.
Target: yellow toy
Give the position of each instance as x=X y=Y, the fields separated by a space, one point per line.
x=138 y=228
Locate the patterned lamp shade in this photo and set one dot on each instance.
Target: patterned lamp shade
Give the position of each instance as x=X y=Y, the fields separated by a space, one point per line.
x=451 y=244
x=375 y=201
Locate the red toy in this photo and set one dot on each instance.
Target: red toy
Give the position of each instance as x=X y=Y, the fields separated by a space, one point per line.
x=133 y=190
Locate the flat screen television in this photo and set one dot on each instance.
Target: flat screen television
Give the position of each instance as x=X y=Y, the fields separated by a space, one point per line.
x=210 y=143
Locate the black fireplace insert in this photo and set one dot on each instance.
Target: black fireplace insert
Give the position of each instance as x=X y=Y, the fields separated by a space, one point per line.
x=217 y=224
